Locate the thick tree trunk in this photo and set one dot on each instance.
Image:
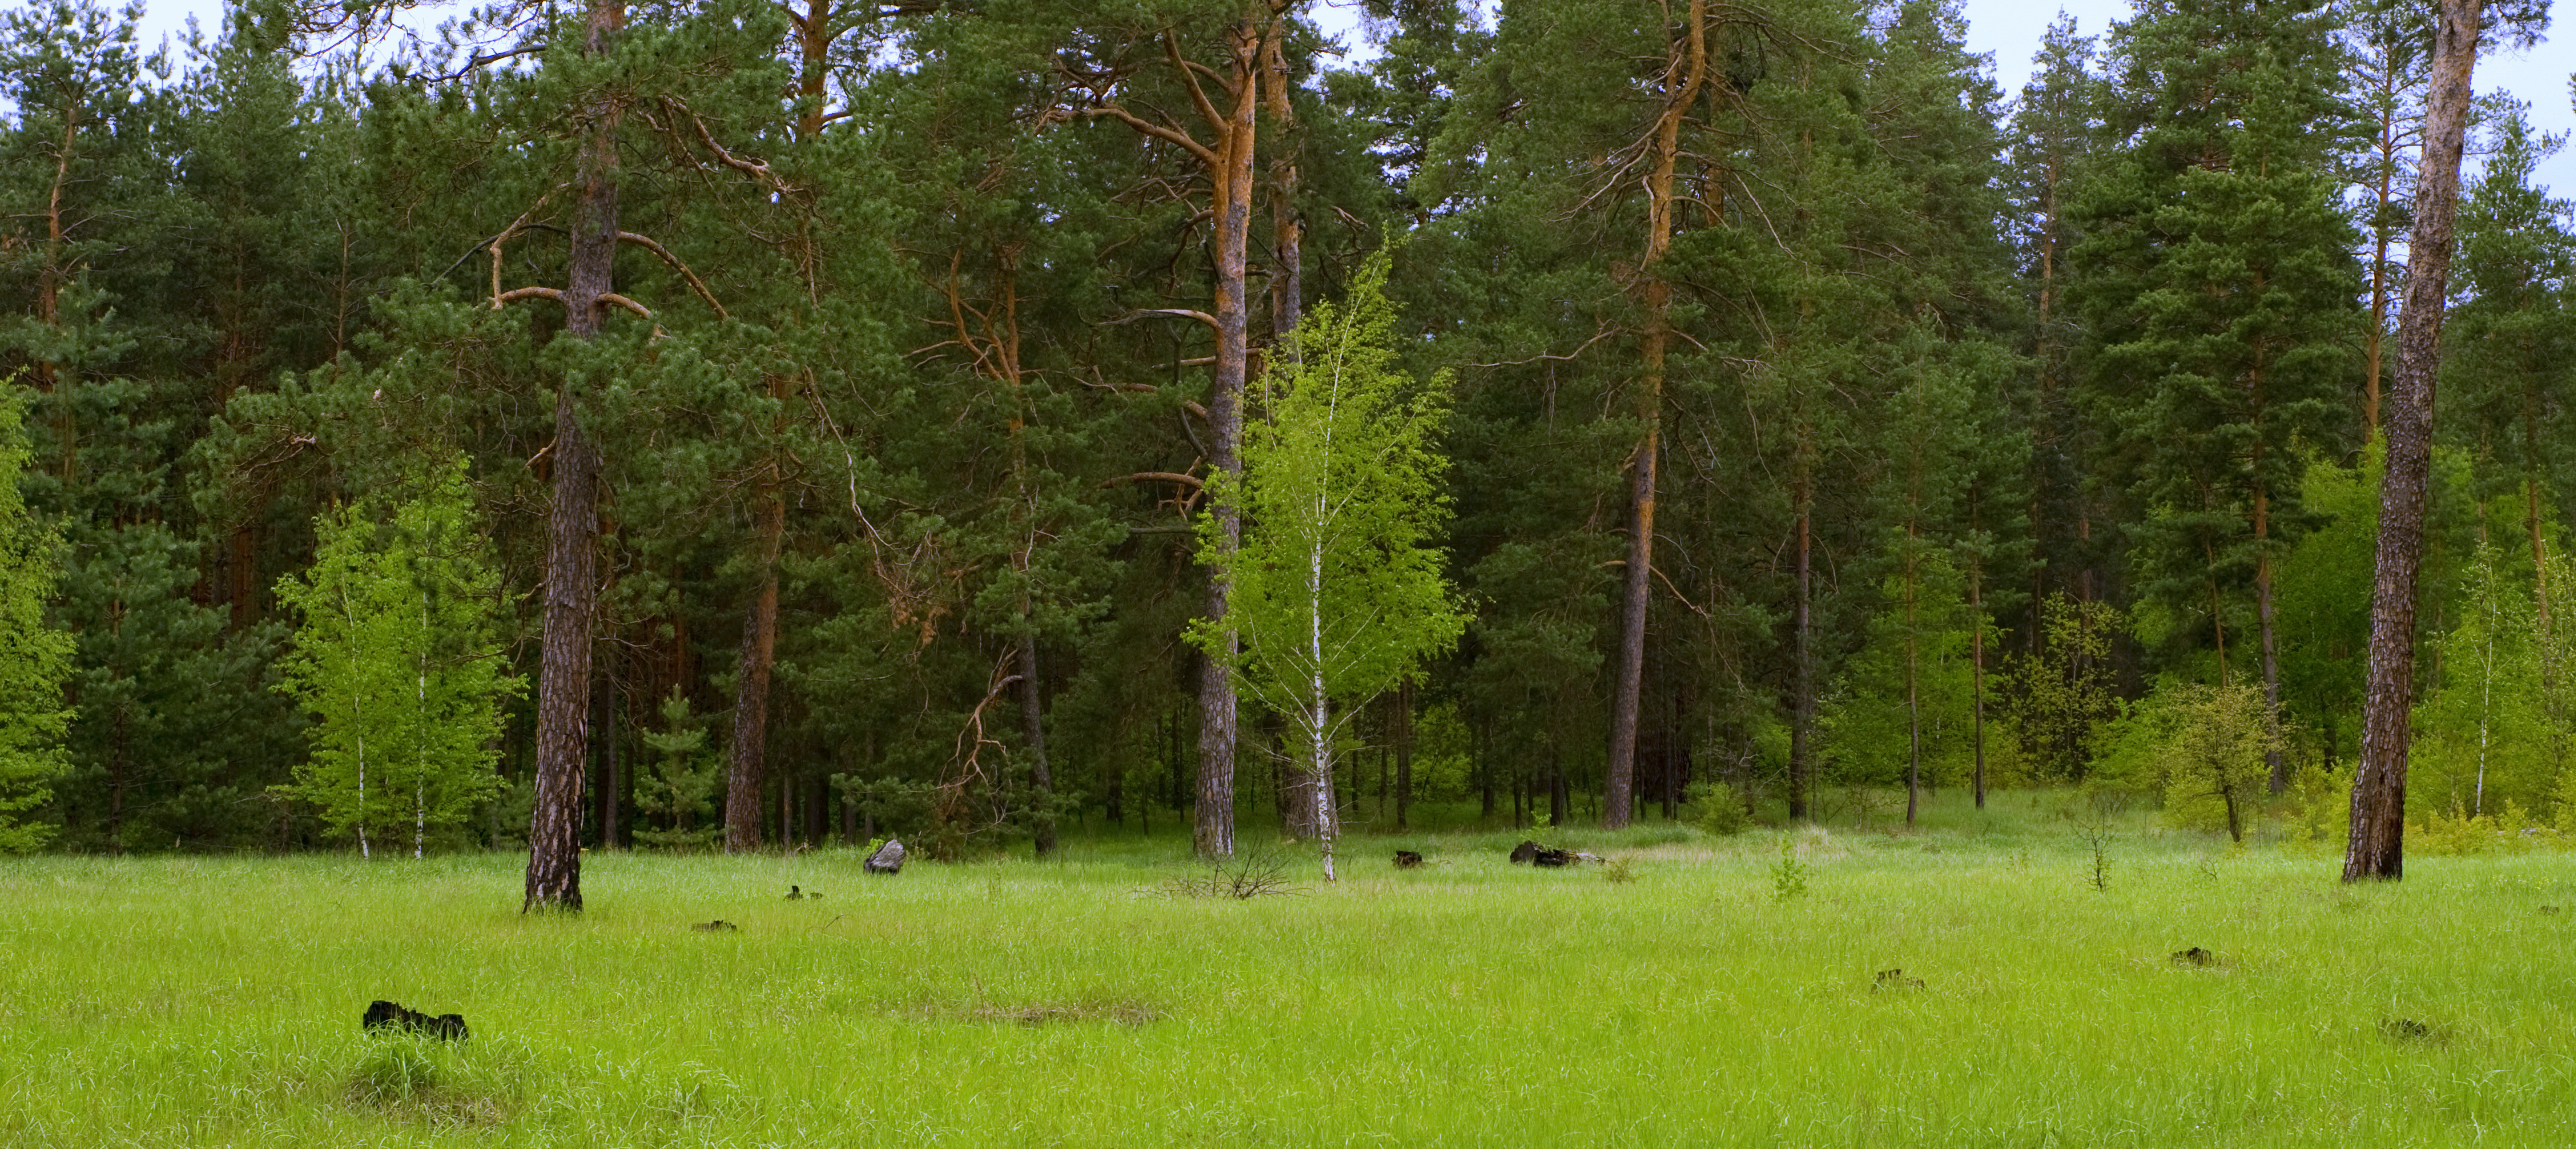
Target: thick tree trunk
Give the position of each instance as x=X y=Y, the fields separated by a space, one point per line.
x=572 y=528
x=1213 y=834
x=1684 y=71
x=748 y=770
x=2377 y=848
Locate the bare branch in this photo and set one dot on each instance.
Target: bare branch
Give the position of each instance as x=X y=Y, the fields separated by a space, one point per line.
x=647 y=244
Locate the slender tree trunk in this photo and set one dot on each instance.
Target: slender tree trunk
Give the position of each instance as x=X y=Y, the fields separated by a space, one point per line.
x=1802 y=687
x=2277 y=764
x=1033 y=736
x=572 y=530
x=1977 y=676
x=1403 y=753
x=1913 y=702
x=613 y=779
x=2377 y=848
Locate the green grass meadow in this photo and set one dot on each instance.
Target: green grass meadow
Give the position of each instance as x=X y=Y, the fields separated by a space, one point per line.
x=206 y=1001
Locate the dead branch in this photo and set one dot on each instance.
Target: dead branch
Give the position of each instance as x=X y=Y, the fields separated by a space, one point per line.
x=516 y=294
x=1165 y=312
x=1598 y=336
x=1192 y=481
x=647 y=244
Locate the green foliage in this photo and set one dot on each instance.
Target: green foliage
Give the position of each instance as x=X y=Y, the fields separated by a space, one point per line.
x=2213 y=756
x=1911 y=677
x=685 y=778
x=1789 y=874
x=397 y=655
x=2494 y=719
x=1717 y=809
x=35 y=658
x=2063 y=696
x=1338 y=590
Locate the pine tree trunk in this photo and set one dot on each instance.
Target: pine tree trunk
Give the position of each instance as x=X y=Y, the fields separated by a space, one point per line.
x=572 y=529
x=1213 y=834
x=1977 y=676
x=2274 y=761
x=749 y=768
x=613 y=781
x=2377 y=848
x=1684 y=75
x=1802 y=709
x=1033 y=735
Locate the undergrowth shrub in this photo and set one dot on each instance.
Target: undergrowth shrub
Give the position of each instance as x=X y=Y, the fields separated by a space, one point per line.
x=1717 y=809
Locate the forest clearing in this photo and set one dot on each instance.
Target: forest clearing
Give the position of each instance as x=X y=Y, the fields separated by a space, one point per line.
x=1080 y=1001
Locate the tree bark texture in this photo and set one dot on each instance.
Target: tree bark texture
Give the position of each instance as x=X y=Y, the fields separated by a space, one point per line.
x=2377 y=848
x=1033 y=737
x=1685 y=71
x=748 y=771
x=1213 y=832
x=572 y=528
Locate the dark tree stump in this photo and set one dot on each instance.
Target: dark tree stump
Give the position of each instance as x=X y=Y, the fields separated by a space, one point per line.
x=385 y=1016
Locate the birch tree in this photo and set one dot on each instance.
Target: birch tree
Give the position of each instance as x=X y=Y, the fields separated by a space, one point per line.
x=1338 y=586
x=398 y=655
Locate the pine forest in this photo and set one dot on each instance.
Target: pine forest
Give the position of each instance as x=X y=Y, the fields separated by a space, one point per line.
x=748 y=424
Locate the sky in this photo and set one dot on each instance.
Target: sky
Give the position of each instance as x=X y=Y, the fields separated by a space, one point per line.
x=2008 y=29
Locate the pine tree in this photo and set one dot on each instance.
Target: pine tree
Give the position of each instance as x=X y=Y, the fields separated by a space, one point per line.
x=2219 y=291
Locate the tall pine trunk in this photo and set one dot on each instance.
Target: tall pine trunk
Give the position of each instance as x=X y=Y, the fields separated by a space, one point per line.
x=572 y=528
x=748 y=770
x=1684 y=72
x=1212 y=835
x=2377 y=848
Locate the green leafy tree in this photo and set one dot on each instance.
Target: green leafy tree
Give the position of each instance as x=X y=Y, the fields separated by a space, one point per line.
x=2214 y=761
x=34 y=657
x=1338 y=587
x=2485 y=722
x=2063 y=691
x=398 y=656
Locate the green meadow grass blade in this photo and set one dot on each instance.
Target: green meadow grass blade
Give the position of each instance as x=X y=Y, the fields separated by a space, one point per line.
x=201 y=1001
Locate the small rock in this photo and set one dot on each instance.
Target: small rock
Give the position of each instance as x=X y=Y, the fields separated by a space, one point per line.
x=2195 y=956
x=888 y=859
x=385 y=1015
x=1407 y=860
x=718 y=926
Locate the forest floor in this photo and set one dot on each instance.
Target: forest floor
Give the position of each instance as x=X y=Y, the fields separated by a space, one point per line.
x=1706 y=1000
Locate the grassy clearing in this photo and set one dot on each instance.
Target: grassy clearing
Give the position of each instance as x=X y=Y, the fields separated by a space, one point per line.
x=193 y=1001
